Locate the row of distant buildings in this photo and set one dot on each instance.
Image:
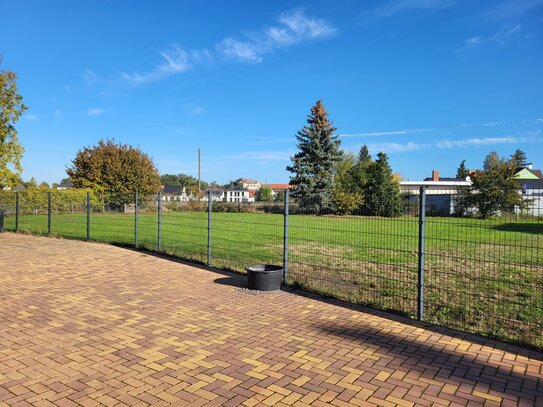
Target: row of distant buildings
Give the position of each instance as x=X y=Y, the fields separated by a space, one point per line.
x=441 y=192
x=244 y=190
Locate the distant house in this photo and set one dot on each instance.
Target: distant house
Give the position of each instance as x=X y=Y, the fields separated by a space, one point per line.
x=250 y=184
x=532 y=188
x=19 y=187
x=239 y=194
x=217 y=194
x=440 y=192
x=65 y=185
x=172 y=193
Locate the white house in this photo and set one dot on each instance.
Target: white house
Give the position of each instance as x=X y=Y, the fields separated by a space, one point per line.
x=217 y=194
x=250 y=184
x=239 y=194
x=171 y=193
x=440 y=192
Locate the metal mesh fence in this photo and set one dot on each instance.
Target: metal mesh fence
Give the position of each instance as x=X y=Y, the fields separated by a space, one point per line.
x=424 y=261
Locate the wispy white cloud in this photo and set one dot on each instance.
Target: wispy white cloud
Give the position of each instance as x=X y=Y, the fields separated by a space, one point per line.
x=31 y=117
x=502 y=37
x=386 y=133
x=90 y=77
x=476 y=142
x=397 y=147
x=410 y=146
x=67 y=89
x=394 y=7
x=291 y=28
x=196 y=110
x=175 y=61
x=95 y=111
x=492 y=124
x=58 y=113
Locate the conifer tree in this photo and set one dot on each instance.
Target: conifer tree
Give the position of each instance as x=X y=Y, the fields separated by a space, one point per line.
x=462 y=171
x=519 y=158
x=314 y=165
x=382 y=191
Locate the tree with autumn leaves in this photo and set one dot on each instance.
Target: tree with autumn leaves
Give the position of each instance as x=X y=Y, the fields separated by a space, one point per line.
x=116 y=170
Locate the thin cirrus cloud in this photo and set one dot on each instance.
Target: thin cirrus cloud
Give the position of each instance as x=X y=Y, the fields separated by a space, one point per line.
x=31 y=117
x=292 y=28
x=394 y=7
x=95 y=111
x=392 y=147
x=386 y=133
x=502 y=37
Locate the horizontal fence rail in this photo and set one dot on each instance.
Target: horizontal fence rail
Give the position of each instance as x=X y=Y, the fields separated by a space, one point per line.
x=433 y=260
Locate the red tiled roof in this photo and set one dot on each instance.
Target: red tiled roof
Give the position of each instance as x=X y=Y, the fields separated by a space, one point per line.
x=538 y=173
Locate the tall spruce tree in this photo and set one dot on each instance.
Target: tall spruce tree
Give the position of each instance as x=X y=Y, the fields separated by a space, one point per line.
x=519 y=158
x=314 y=166
x=364 y=154
x=462 y=171
x=382 y=191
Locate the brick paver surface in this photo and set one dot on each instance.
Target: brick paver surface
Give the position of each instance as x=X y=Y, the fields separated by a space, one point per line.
x=90 y=324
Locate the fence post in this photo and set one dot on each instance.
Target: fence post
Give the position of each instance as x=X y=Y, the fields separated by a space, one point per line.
x=159 y=237
x=136 y=221
x=88 y=215
x=49 y=213
x=209 y=210
x=16 y=211
x=285 y=238
x=420 y=284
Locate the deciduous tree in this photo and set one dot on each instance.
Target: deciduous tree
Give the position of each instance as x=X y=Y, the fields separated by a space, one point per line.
x=11 y=109
x=115 y=169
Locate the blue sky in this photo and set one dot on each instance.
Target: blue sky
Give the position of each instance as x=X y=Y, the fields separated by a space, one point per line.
x=430 y=82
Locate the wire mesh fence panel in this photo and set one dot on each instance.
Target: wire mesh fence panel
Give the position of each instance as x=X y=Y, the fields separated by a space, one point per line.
x=112 y=222
x=485 y=275
x=147 y=226
x=69 y=213
x=8 y=206
x=184 y=230
x=364 y=259
x=32 y=204
x=247 y=233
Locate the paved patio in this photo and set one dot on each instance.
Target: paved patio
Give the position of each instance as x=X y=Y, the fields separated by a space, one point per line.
x=90 y=324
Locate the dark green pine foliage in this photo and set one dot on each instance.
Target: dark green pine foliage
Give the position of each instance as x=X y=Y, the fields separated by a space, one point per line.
x=462 y=171
x=382 y=191
x=364 y=154
x=519 y=159
x=314 y=166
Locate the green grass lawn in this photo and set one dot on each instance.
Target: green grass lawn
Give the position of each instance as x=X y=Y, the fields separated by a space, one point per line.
x=480 y=276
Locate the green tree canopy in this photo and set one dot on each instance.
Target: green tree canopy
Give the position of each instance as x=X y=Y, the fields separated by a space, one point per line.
x=264 y=194
x=494 y=190
x=314 y=165
x=11 y=150
x=115 y=169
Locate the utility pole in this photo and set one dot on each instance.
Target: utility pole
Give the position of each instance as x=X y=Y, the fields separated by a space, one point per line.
x=199 y=178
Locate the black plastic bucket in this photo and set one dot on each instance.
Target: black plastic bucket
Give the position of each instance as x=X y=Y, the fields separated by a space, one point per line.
x=264 y=277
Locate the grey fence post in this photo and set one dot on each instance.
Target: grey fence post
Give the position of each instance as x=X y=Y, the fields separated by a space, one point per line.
x=16 y=211
x=136 y=229
x=209 y=211
x=420 y=284
x=88 y=215
x=159 y=237
x=285 y=238
x=49 y=213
